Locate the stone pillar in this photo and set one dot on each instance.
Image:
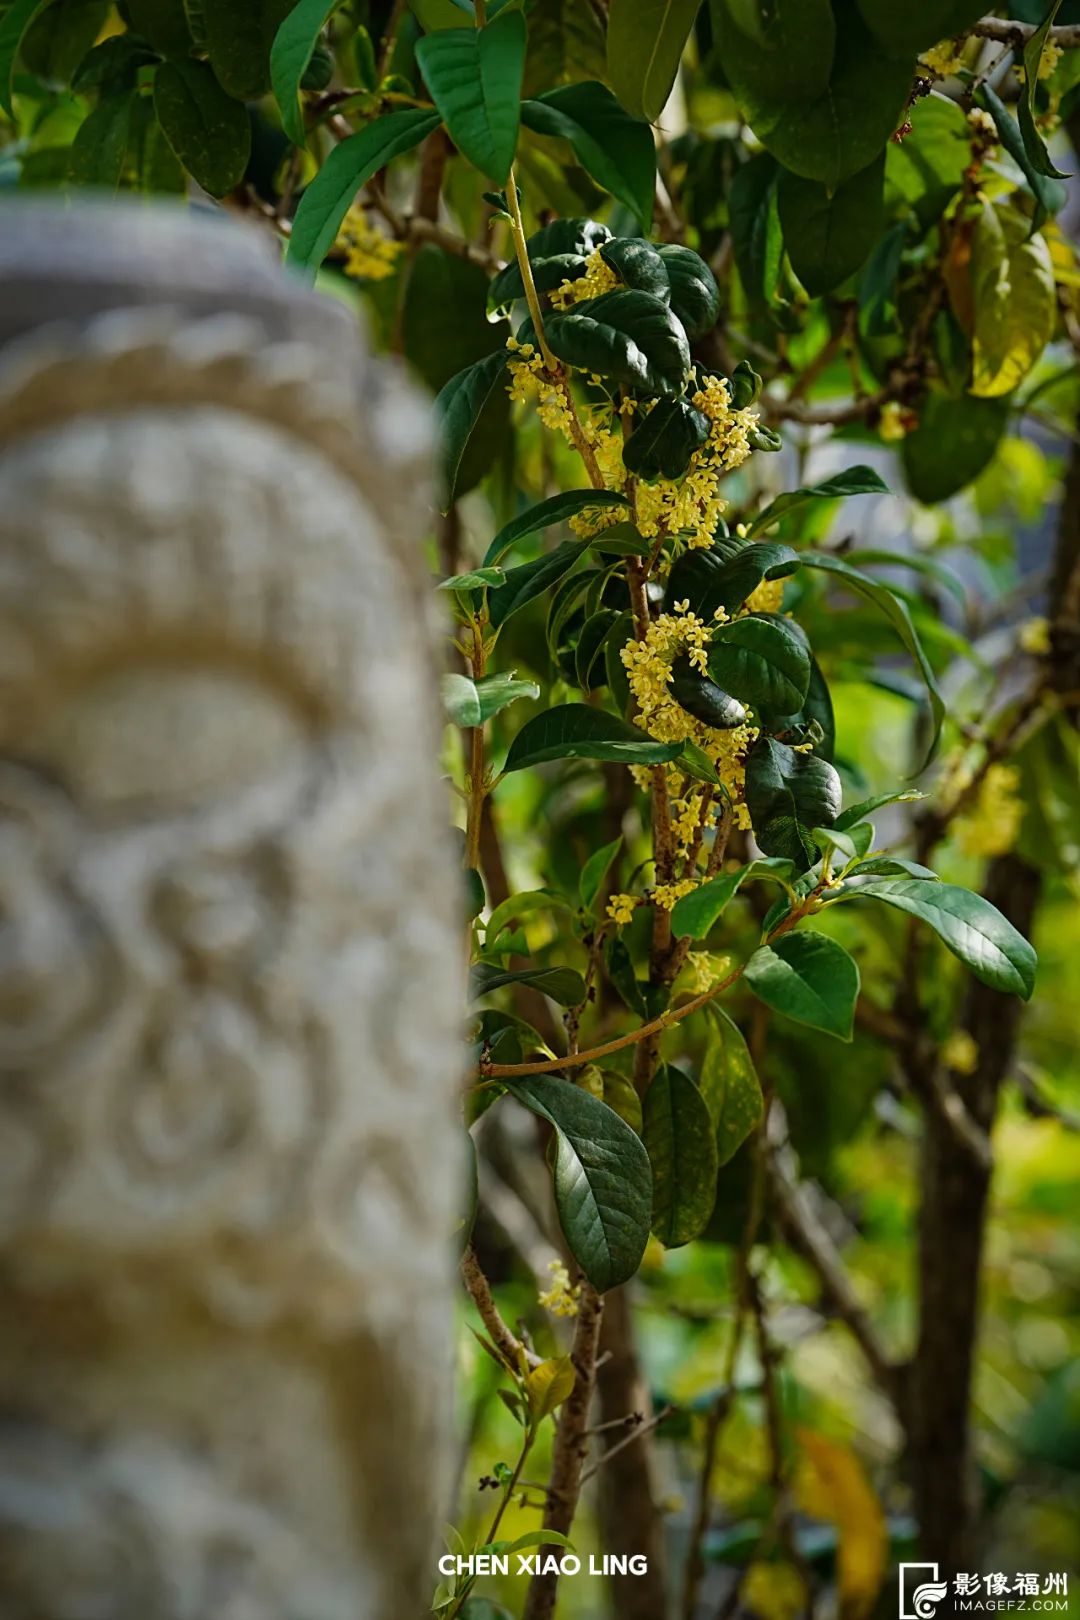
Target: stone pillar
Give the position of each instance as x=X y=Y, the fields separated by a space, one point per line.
x=229 y=959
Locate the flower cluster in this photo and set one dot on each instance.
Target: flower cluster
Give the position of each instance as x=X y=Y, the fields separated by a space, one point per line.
x=529 y=381
x=943 y=59
x=369 y=255
x=620 y=908
x=597 y=277
x=560 y=1299
x=693 y=505
x=991 y=825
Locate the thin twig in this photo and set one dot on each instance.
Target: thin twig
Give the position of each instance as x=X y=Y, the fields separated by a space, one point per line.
x=508 y=1344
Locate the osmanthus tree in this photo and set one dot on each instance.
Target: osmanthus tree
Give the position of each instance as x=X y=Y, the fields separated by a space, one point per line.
x=855 y=201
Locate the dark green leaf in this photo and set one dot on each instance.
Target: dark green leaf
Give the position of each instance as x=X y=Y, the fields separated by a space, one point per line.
x=730 y=1085
x=645 y=42
x=625 y=337
x=349 y=166
x=763 y=660
x=637 y=263
x=697 y=913
x=779 y=48
x=112 y=65
x=756 y=236
x=858 y=812
x=1049 y=194
x=916 y=24
x=289 y=56
x=458 y=408
x=474 y=76
x=101 y=142
x=705 y=700
x=209 y=131
x=475 y=895
x=577 y=731
x=564 y=985
x=680 y=1140
x=59 y=38
x=602 y=1178
x=13 y=26
x=557 y=253
x=475 y=579
x=973 y=929
x=238 y=37
x=533 y=579
x=590 y=648
x=926 y=169
x=595 y=870
x=853 y=481
x=663 y=441
x=694 y=295
x=898 y=616
x=725 y=574
x=164 y=23
x=822 y=130
x=620 y=970
x=810 y=978
x=954 y=441
x=616 y=150
x=827 y=233
x=787 y=793
x=1034 y=145
x=556 y=509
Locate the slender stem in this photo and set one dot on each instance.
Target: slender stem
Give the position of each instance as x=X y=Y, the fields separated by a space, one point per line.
x=477 y=785
x=522 y=253
x=508 y=1345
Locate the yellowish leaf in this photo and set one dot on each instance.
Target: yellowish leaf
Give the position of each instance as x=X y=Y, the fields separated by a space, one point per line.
x=1014 y=302
x=831 y=1484
x=548 y=1385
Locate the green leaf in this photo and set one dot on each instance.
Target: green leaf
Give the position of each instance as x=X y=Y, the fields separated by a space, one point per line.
x=698 y=912
x=620 y=970
x=626 y=337
x=209 y=131
x=577 y=731
x=471 y=703
x=681 y=1143
x=787 y=794
x=475 y=579
x=916 y=24
x=858 y=812
x=619 y=1094
x=853 y=481
x=1015 y=303
x=59 y=38
x=113 y=65
x=973 y=929
x=821 y=130
x=474 y=76
x=807 y=977
x=705 y=700
x=725 y=574
x=536 y=1538
x=238 y=38
x=518 y=906
x=533 y=579
x=776 y=48
x=13 y=26
x=556 y=509
x=602 y=1178
x=557 y=253
x=645 y=42
x=595 y=870
x=101 y=143
x=756 y=237
x=694 y=295
x=898 y=616
x=564 y=985
x=1049 y=194
x=589 y=652
x=616 y=150
x=663 y=442
x=637 y=263
x=1034 y=145
x=458 y=407
x=730 y=1085
x=954 y=441
x=164 y=23
x=827 y=233
x=289 y=56
x=546 y=1387
x=566 y=42
x=889 y=866
x=348 y=167
x=763 y=660
x=926 y=169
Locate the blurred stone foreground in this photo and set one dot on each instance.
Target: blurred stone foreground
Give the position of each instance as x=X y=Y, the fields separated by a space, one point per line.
x=228 y=955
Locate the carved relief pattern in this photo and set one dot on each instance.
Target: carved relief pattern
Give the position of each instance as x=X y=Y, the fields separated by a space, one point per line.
x=228 y=1000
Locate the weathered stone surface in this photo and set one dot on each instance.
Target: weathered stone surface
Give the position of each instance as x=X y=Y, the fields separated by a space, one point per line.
x=228 y=980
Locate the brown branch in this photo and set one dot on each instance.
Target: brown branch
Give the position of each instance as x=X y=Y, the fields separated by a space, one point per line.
x=507 y=1343
x=571 y=1446
x=1008 y=32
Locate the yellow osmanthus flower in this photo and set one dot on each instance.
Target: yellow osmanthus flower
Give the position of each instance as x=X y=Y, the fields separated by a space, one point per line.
x=703 y=969
x=667 y=895
x=597 y=278
x=560 y=1299
x=1035 y=637
x=529 y=382
x=693 y=504
x=981 y=124
x=369 y=255
x=620 y=908
x=990 y=826
x=960 y=1053
x=648 y=665
x=942 y=59
x=768 y=597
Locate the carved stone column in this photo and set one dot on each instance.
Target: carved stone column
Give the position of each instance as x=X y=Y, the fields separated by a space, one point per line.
x=228 y=952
